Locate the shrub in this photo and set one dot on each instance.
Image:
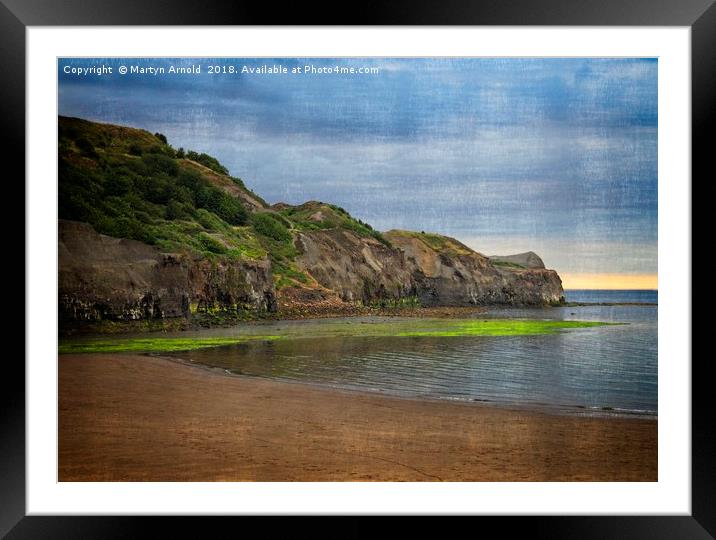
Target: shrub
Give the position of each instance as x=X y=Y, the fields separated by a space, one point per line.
x=86 y=147
x=124 y=227
x=156 y=189
x=209 y=220
x=176 y=210
x=211 y=244
x=118 y=184
x=135 y=149
x=159 y=163
x=181 y=194
x=269 y=225
x=222 y=204
x=190 y=180
x=116 y=206
x=232 y=211
x=207 y=161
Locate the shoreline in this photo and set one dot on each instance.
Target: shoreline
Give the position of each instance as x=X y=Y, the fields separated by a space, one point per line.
x=541 y=408
x=205 y=321
x=158 y=418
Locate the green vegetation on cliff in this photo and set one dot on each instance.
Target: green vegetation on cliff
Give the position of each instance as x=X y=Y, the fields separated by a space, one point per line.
x=437 y=242
x=129 y=183
x=316 y=216
x=507 y=264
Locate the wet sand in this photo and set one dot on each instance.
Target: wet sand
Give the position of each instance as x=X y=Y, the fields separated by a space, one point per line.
x=141 y=418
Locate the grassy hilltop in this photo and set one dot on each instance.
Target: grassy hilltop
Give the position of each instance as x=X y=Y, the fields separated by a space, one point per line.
x=129 y=183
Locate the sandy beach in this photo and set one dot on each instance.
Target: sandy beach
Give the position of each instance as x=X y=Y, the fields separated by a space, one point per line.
x=143 y=418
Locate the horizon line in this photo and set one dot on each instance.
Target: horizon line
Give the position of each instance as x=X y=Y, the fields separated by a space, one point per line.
x=609 y=281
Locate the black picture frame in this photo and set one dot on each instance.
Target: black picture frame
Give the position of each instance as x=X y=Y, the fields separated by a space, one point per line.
x=699 y=15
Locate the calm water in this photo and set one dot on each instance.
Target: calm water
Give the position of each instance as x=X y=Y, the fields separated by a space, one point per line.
x=611 y=368
x=638 y=296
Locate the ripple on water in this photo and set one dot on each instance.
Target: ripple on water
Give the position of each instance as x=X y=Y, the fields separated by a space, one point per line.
x=602 y=368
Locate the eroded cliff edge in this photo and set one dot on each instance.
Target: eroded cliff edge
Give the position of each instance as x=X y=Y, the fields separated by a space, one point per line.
x=430 y=269
x=149 y=232
x=106 y=278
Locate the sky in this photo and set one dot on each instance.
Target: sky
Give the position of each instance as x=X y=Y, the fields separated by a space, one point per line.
x=552 y=155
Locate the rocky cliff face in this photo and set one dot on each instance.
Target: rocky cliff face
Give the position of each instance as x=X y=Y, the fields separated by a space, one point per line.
x=105 y=278
x=356 y=268
x=446 y=272
x=436 y=270
x=102 y=278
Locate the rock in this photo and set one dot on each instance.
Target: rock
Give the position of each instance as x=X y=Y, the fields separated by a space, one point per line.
x=106 y=278
x=356 y=268
x=528 y=259
x=434 y=269
x=448 y=273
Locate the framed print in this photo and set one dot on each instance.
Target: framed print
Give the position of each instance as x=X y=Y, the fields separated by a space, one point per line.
x=360 y=270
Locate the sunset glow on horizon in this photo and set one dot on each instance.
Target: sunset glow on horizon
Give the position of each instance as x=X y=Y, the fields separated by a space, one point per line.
x=609 y=281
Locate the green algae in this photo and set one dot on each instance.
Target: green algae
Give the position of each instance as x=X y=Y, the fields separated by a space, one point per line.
x=345 y=328
x=164 y=344
x=504 y=327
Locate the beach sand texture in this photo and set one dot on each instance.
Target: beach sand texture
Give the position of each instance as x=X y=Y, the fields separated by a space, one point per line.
x=143 y=418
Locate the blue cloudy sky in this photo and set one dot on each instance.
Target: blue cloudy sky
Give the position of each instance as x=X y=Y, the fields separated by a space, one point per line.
x=558 y=156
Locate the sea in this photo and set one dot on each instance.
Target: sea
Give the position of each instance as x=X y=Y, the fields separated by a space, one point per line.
x=604 y=370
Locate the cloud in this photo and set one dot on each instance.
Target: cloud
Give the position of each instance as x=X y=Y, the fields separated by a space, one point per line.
x=562 y=152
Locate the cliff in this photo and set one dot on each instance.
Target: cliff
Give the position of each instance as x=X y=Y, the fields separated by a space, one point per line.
x=525 y=260
x=446 y=272
x=356 y=268
x=148 y=231
x=102 y=278
x=433 y=270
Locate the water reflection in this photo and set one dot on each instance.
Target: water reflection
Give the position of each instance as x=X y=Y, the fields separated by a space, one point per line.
x=610 y=367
